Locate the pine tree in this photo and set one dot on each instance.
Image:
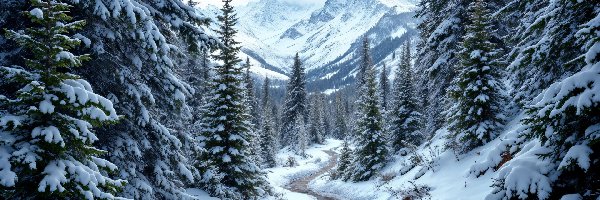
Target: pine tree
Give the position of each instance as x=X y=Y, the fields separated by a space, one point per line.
x=295 y=103
x=369 y=156
x=441 y=32
x=226 y=123
x=562 y=124
x=344 y=161
x=138 y=46
x=303 y=136
x=255 y=114
x=269 y=143
x=251 y=97
x=543 y=44
x=384 y=88
x=340 y=129
x=48 y=115
x=475 y=117
x=365 y=63
x=317 y=120
x=405 y=121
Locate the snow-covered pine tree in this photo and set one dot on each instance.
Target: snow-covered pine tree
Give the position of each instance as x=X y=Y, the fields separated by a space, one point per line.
x=405 y=121
x=384 y=88
x=317 y=119
x=340 y=129
x=344 y=161
x=47 y=115
x=269 y=141
x=365 y=62
x=137 y=47
x=295 y=105
x=251 y=94
x=563 y=133
x=476 y=115
x=441 y=30
x=543 y=43
x=226 y=124
x=255 y=114
x=371 y=151
x=301 y=131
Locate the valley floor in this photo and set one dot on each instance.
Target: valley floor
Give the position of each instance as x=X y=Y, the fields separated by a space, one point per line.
x=443 y=174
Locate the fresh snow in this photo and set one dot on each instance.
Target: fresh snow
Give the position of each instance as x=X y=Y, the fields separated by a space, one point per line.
x=448 y=175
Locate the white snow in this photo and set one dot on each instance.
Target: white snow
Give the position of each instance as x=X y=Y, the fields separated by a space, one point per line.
x=38 y=13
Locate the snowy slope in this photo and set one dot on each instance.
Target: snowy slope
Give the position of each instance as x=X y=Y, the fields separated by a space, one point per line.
x=448 y=175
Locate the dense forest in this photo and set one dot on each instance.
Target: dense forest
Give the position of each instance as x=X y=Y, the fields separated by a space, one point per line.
x=151 y=99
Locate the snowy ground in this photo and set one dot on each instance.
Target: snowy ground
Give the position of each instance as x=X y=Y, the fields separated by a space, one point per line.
x=443 y=171
x=448 y=176
x=280 y=177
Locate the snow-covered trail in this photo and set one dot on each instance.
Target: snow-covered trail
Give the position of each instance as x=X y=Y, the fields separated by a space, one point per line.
x=320 y=159
x=301 y=185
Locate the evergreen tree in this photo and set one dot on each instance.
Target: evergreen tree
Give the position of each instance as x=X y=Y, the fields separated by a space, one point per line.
x=365 y=63
x=369 y=156
x=317 y=124
x=47 y=115
x=344 y=161
x=138 y=46
x=227 y=129
x=269 y=144
x=441 y=32
x=384 y=88
x=251 y=97
x=303 y=136
x=405 y=121
x=544 y=47
x=340 y=129
x=255 y=119
x=561 y=129
x=295 y=105
x=476 y=116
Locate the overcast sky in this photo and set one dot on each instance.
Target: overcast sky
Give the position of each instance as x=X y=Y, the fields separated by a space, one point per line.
x=243 y=2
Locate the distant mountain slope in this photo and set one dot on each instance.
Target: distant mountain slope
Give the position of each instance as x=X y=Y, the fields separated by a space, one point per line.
x=326 y=35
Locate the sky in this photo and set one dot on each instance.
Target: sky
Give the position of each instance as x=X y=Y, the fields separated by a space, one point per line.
x=244 y=2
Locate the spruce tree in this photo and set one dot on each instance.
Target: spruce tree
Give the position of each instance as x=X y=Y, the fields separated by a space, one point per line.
x=440 y=33
x=405 y=120
x=251 y=97
x=475 y=117
x=384 y=88
x=317 y=120
x=295 y=105
x=255 y=114
x=227 y=129
x=370 y=154
x=365 y=63
x=340 y=129
x=268 y=143
x=563 y=123
x=344 y=161
x=48 y=115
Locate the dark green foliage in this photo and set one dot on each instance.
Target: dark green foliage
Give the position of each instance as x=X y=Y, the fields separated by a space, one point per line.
x=405 y=121
x=226 y=127
x=46 y=125
x=476 y=114
x=295 y=105
x=370 y=154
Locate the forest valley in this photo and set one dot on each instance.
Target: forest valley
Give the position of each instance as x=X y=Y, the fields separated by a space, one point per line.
x=141 y=99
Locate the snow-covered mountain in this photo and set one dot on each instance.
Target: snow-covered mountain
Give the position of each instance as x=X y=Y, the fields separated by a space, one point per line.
x=326 y=35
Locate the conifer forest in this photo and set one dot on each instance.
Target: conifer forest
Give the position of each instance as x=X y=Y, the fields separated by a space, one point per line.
x=300 y=99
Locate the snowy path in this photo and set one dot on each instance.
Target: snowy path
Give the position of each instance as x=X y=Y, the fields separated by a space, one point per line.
x=301 y=185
